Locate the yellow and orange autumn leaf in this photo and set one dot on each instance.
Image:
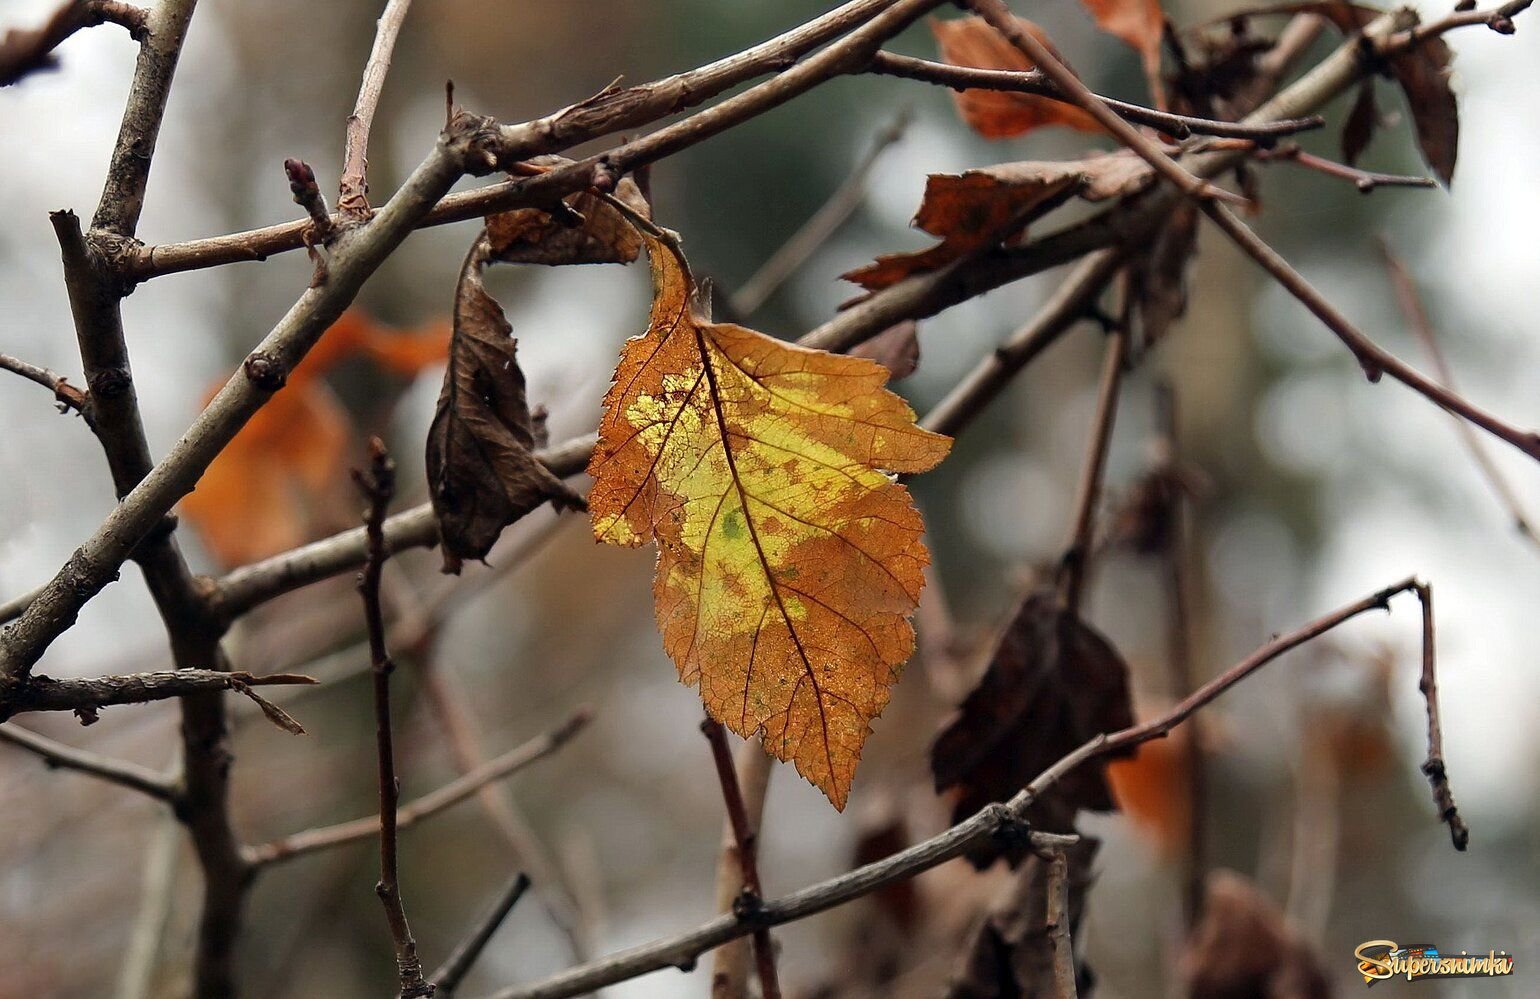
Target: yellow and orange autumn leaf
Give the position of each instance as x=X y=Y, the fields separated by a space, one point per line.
x=789 y=559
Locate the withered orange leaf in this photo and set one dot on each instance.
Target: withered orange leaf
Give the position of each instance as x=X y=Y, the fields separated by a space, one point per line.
x=999 y=114
x=283 y=477
x=979 y=208
x=1052 y=683
x=482 y=472
x=789 y=560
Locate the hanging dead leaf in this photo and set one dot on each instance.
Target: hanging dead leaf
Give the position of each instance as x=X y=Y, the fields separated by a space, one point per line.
x=1244 y=946
x=1052 y=683
x=482 y=472
x=1358 y=130
x=981 y=208
x=999 y=114
x=1423 y=74
x=789 y=561
x=896 y=348
x=1159 y=274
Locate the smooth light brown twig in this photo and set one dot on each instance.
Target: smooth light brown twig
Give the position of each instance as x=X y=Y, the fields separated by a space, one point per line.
x=1365 y=180
x=1374 y=360
x=120 y=772
x=1077 y=553
x=456 y=791
x=1178 y=126
x=455 y=967
x=1416 y=315
x=997 y=820
x=746 y=849
x=86 y=696
x=378 y=485
x=353 y=191
x=1058 y=920
x=1433 y=767
x=66 y=395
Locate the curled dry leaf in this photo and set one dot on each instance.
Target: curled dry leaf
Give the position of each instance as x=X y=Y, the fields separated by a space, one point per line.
x=789 y=560
x=1158 y=275
x=482 y=472
x=1358 y=130
x=585 y=229
x=1245 y=947
x=981 y=208
x=1052 y=683
x=998 y=114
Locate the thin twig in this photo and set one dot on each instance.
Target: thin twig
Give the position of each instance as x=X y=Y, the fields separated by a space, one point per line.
x=1077 y=553
x=86 y=696
x=1058 y=920
x=378 y=486
x=785 y=262
x=746 y=849
x=455 y=967
x=1433 y=768
x=66 y=395
x=1178 y=126
x=456 y=791
x=1374 y=360
x=1416 y=315
x=1365 y=180
x=353 y=192
x=120 y=772
x=1168 y=469
x=27 y=51
x=991 y=822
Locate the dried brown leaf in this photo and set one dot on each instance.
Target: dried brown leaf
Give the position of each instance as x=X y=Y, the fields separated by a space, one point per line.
x=481 y=470
x=1358 y=130
x=586 y=229
x=1244 y=947
x=1053 y=683
x=980 y=208
x=997 y=114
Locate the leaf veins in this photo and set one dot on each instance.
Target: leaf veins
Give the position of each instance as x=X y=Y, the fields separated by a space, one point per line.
x=789 y=560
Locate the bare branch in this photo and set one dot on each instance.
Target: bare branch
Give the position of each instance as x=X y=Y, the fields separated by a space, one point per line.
x=1374 y=360
x=1433 y=767
x=120 y=772
x=66 y=395
x=1178 y=126
x=784 y=262
x=1365 y=180
x=455 y=967
x=86 y=696
x=993 y=821
x=353 y=192
x=1058 y=925
x=1417 y=317
x=1077 y=554
x=432 y=803
x=27 y=51
x=746 y=855
x=378 y=485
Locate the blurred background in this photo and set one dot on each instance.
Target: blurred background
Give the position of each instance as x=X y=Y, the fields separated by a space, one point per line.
x=1316 y=488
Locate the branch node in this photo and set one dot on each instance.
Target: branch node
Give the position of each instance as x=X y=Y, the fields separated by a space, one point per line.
x=265 y=371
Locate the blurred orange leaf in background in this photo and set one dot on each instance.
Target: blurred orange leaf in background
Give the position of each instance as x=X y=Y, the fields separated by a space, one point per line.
x=1000 y=114
x=272 y=487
